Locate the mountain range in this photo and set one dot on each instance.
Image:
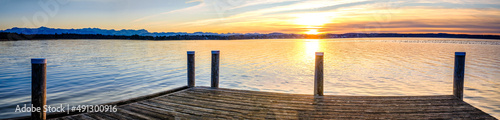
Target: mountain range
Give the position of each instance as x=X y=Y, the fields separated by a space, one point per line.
x=129 y=32
x=142 y=34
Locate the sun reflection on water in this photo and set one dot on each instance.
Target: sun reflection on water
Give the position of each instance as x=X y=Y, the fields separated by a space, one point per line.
x=311 y=46
x=305 y=53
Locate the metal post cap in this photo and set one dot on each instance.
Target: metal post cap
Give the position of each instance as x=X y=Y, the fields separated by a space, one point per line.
x=215 y=51
x=190 y=52
x=38 y=61
x=460 y=53
x=319 y=53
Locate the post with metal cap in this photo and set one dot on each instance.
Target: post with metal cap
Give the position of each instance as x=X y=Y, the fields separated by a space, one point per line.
x=318 y=75
x=38 y=87
x=190 y=68
x=458 y=75
x=215 y=68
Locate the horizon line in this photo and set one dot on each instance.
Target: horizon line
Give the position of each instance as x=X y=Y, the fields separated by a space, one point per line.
x=324 y=33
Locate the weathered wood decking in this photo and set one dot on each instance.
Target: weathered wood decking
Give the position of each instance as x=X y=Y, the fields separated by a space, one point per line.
x=208 y=103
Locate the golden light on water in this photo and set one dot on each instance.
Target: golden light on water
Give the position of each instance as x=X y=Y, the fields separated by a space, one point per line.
x=311 y=47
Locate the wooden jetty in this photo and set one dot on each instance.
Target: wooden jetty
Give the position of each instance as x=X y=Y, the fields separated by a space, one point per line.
x=196 y=102
x=211 y=103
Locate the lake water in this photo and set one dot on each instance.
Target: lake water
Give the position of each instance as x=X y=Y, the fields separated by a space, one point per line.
x=83 y=72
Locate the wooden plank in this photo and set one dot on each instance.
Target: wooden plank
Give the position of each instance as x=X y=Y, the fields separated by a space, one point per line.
x=197 y=110
x=98 y=116
x=261 y=102
x=78 y=117
x=150 y=113
x=119 y=115
x=285 y=95
x=216 y=108
x=135 y=115
x=160 y=111
x=188 y=113
x=327 y=101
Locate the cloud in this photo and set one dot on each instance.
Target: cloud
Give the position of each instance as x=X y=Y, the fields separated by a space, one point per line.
x=491 y=26
x=215 y=6
x=325 y=8
x=263 y=13
x=192 y=1
x=186 y=10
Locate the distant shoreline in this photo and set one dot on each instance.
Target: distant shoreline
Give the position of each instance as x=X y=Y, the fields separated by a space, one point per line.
x=6 y=36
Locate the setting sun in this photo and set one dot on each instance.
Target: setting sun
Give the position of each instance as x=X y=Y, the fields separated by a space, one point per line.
x=312 y=32
x=312 y=19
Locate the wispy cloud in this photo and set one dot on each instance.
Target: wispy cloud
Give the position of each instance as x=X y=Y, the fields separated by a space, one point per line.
x=215 y=6
x=188 y=9
x=192 y=1
x=305 y=5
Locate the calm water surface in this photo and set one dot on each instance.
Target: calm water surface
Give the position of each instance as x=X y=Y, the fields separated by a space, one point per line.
x=82 y=72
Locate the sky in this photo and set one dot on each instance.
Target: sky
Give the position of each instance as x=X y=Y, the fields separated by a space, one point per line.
x=259 y=16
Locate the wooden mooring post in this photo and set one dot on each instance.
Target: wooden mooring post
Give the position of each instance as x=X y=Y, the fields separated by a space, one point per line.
x=38 y=87
x=190 y=69
x=215 y=69
x=318 y=74
x=458 y=75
